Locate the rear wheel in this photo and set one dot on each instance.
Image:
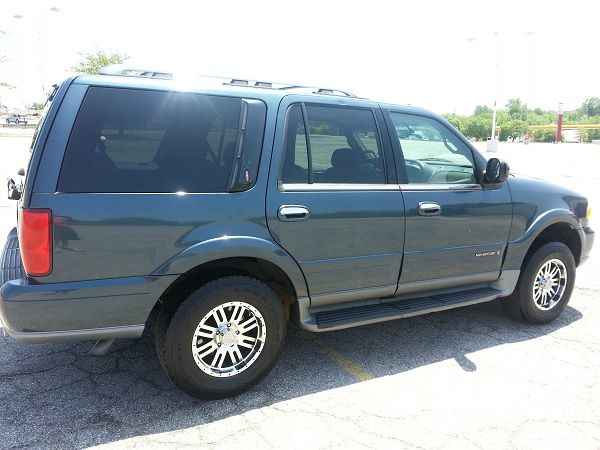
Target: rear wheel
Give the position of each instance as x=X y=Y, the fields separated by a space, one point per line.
x=224 y=338
x=545 y=285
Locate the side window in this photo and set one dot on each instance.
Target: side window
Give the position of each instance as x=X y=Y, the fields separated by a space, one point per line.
x=343 y=146
x=295 y=166
x=148 y=141
x=432 y=153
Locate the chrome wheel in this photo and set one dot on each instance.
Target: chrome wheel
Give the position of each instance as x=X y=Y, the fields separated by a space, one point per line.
x=549 y=284
x=229 y=339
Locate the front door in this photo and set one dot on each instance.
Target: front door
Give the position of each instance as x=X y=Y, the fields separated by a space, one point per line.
x=456 y=229
x=333 y=200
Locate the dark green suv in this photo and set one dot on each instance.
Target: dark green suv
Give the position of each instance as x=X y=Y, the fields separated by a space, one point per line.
x=216 y=211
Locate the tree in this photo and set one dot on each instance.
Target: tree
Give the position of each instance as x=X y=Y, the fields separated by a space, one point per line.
x=482 y=110
x=478 y=127
x=516 y=109
x=512 y=129
x=36 y=106
x=456 y=120
x=92 y=62
x=591 y=106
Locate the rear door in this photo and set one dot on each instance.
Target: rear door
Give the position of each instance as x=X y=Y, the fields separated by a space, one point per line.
x=333 y=201
x=456 y=229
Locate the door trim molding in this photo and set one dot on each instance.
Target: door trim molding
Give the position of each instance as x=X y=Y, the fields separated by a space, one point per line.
x=448 y=282
x=333 y=187
x=348 y=296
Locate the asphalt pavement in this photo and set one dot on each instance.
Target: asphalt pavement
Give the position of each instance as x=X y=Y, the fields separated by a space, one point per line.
x=465 y=378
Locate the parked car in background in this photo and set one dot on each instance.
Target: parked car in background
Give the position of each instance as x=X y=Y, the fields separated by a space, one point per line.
x=216 y=213
x=17 y=118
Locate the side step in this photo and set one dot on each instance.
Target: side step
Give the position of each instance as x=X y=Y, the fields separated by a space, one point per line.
x=397 y=309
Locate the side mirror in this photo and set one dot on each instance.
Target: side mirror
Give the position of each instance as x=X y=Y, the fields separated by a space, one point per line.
x=14 y=193
x=496 y=171
x=21 y=172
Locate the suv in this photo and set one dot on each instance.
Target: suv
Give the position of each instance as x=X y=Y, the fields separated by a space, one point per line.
x=16 y=118
x=217 y=213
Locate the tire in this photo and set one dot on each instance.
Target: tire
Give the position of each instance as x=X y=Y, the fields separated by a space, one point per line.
x=193 y=327
x=543 y=307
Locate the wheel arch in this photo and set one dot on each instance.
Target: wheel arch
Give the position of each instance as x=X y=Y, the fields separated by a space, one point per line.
x=558 y=231
x=215 y=258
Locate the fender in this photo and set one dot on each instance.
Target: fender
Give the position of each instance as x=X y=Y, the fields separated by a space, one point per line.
x=235 y=247
x=517 y=248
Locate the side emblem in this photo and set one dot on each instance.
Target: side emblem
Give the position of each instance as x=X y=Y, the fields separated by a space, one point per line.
x=495 y=252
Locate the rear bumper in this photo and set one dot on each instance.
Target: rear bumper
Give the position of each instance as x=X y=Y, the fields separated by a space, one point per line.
x=587 y=242
x=95 y=309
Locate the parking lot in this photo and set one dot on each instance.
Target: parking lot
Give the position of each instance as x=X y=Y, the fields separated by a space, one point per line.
x=465 y=378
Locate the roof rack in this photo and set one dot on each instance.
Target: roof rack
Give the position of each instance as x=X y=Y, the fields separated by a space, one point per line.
x=122 y=70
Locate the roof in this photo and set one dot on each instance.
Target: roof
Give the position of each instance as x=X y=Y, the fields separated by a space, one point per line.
x=123 y=76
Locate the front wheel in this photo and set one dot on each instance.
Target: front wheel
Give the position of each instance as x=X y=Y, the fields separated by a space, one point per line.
x=545 y=285
x=224 y=338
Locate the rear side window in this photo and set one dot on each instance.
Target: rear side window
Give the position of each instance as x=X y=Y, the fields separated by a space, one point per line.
x=333 y=145
x=127 y=140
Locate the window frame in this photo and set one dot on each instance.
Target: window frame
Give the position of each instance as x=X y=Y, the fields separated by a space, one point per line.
x=401 y=165
x=383 y=141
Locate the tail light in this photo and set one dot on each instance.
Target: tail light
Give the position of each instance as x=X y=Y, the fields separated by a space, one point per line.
x=35 y=241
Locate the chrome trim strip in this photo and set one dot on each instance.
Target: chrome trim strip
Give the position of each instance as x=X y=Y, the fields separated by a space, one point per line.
x=333 y=187
x=440 y=187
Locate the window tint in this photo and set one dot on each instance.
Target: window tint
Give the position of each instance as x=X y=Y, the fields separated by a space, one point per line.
x=146 y=141
x=432 y=153
x=295 y=166
x=344 y=146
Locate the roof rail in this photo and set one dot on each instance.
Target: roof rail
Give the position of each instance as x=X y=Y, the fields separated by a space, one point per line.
x=123 y=70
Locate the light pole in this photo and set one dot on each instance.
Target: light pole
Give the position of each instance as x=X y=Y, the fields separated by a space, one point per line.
x=39 y=44
x=493 y=142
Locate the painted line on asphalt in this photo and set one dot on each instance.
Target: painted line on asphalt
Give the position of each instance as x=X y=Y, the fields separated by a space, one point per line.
x=345 y=363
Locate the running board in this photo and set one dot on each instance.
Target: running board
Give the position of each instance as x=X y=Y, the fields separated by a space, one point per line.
x=397 y=309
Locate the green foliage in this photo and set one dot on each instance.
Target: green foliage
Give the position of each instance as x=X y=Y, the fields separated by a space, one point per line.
x=36 y=106
x=543 y=135
x=590 y=107
x=588 y=135
x=478 y=127
x=92 y=62
x=483 y=110
x=456 y=120
x=512 y=129
x=517 y=117
x=517 y=109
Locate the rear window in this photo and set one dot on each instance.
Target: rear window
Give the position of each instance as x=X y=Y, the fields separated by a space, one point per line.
x=128 y=140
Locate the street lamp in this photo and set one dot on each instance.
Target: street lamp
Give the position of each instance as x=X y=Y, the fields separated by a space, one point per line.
x=492 y=145
x=39 y=43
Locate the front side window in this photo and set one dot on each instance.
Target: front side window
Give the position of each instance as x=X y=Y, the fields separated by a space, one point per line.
x=147 y=141
x=432 y=153
x=334 y=145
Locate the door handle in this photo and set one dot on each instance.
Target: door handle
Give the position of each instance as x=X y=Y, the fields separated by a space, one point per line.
x=289 y=213
x=430 y=209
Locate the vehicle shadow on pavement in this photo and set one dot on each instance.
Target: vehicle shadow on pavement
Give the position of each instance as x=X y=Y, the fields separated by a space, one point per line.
x=54 y=395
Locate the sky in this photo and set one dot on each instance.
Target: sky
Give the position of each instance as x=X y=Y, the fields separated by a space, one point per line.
x=440 y=55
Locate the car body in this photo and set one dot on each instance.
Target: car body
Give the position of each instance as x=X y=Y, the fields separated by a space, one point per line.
x=17 y=118
x=313 y=193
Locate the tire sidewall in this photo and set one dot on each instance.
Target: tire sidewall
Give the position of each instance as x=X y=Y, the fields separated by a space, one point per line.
x=545 y=253
x=181 y=364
